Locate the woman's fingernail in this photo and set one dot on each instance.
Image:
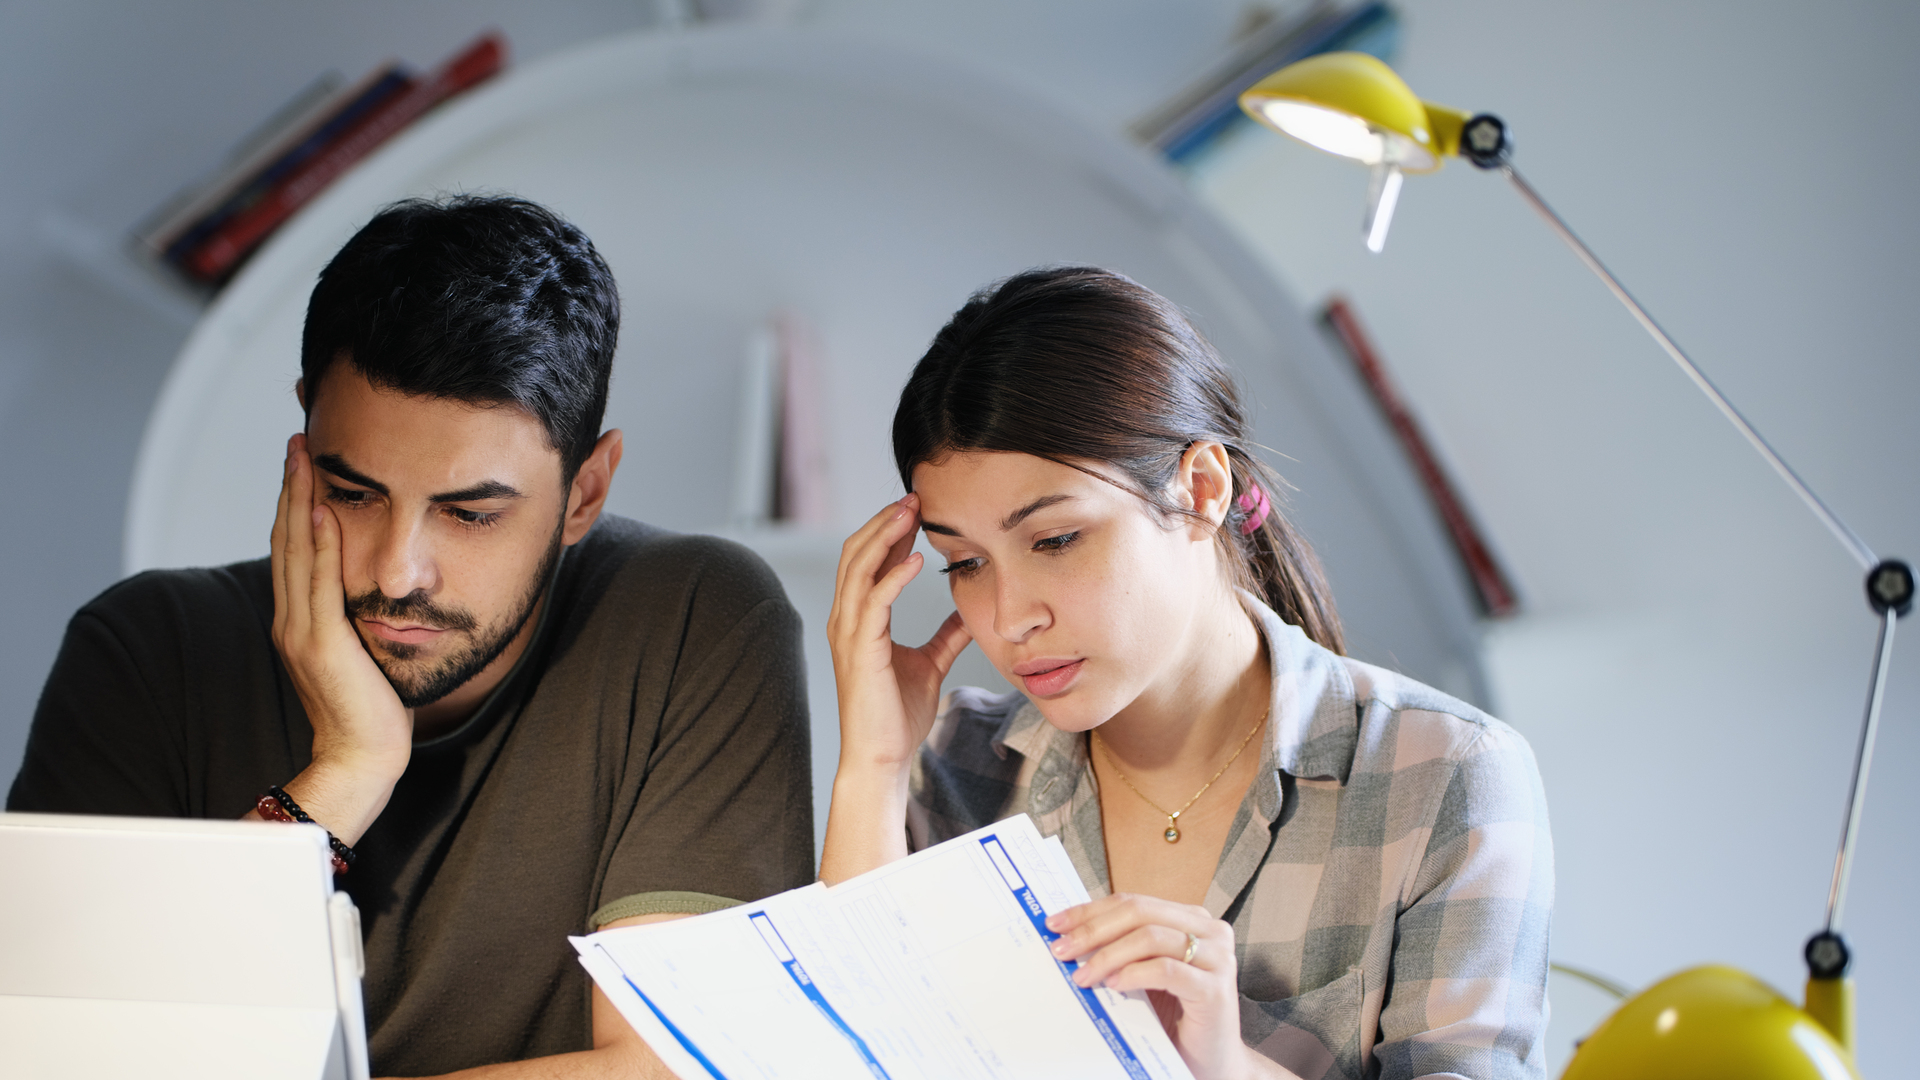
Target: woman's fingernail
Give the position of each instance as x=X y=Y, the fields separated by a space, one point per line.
x=1060 y=947
x=1081 y=978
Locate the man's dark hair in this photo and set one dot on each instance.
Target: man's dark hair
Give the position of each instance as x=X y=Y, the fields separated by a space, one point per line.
x=487 y=300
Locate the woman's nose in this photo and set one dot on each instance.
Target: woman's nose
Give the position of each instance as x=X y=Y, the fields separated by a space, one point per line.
x=1018 y=611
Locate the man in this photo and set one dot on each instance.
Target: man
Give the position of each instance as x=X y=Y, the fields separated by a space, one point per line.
x=522 y=718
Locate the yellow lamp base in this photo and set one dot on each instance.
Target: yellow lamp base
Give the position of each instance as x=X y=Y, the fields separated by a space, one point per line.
x=1708 y=1023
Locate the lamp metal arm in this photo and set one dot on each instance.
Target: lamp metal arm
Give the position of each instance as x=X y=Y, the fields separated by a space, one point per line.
x=1862 y=761
x=1890 y=584
x=1851 y=540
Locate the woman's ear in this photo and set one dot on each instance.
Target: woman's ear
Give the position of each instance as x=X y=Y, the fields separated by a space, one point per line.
x=1205 y=482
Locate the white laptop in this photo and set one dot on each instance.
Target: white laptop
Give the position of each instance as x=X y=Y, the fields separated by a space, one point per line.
x=158 y=948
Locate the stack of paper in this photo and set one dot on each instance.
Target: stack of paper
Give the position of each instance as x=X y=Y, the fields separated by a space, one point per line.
x=936 y=966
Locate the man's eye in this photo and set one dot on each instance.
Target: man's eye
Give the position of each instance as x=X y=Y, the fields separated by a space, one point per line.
x=963 y=568
x=348 y=496
x=1056 y=543
x=473 y=517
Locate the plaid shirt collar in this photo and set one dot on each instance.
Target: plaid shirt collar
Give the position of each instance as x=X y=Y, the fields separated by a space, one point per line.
x=1312 y=734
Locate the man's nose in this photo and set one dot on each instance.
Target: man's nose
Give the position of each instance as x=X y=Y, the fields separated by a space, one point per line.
x=402 y=560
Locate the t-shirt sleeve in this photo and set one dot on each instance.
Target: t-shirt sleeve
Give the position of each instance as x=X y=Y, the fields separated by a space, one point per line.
x=100 y=742
x=1470 y=953
x=725 y=813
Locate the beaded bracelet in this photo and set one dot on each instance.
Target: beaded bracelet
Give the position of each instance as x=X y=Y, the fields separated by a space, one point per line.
x=277 y=805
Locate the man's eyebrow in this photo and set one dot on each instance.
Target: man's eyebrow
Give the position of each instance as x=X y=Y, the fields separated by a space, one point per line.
x=485 y=489
x=338 y=466
x=1006 y=523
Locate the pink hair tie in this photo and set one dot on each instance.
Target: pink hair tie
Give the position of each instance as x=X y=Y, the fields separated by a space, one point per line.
x=1255 y=503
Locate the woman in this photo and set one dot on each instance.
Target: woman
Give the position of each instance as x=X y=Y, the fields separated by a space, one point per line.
x=1314 y=866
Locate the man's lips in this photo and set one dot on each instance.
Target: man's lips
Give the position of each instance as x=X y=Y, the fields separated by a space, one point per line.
x=1050 y=675
x=403 y=635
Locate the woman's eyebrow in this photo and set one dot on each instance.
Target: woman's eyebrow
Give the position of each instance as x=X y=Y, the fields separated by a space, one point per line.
x=1007 y=523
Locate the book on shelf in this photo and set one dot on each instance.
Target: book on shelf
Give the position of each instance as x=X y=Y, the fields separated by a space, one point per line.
x=350 y=108
x=263 y=145
x=209 y=230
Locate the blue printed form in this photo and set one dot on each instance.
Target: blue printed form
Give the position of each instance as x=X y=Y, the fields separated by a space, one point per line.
x=935 y=967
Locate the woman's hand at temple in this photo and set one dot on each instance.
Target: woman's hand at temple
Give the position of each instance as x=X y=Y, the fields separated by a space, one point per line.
x=1184 y=958
x=887 y=691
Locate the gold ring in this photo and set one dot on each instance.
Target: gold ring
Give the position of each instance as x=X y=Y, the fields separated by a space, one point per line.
x=1193 y=940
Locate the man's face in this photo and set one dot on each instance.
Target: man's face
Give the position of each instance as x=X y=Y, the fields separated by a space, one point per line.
x=450 y=521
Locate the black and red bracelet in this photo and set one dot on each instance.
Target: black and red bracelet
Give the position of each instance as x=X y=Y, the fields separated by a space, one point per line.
x=277 y=805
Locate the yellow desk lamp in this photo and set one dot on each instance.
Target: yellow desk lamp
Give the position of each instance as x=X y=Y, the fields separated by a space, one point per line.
x=1709 y=1021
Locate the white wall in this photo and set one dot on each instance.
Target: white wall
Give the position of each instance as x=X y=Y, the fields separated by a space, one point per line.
x=1694 y=655
x=1692 y=664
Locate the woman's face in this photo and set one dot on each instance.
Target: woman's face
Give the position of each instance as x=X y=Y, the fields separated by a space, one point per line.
x=1077 y=594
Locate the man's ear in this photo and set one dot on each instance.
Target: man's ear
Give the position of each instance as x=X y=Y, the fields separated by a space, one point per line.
x=300 y=393
x=1205 y=482
x=588 y=495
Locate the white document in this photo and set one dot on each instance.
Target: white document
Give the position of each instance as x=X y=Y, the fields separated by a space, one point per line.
x=935 y=967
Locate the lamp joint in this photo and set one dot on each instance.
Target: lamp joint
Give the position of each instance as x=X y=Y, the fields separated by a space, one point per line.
x=1828 y=956
x=1486 y=142
x=1890 y=588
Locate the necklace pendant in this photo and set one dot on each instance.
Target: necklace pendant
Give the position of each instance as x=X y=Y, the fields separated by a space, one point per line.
x=1172 y=834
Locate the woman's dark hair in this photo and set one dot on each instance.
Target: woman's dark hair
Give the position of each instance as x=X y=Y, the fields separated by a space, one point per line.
x=488 y=300
x=1077 y=364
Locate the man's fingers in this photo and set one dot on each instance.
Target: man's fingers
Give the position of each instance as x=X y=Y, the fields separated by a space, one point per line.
x=946 y=644
x=328 y=602
x=297 y=546
x=277 y=563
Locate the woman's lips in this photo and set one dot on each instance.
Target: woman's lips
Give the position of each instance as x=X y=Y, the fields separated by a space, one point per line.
x=1047 y=678
x=408 y=635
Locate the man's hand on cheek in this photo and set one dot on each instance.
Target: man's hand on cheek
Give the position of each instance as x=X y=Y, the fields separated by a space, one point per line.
x=362 y=734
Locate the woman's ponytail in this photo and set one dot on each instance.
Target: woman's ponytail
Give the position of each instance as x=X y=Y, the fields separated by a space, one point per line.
x=1272 y=559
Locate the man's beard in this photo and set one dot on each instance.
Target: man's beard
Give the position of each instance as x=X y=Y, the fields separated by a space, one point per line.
x=424 y=687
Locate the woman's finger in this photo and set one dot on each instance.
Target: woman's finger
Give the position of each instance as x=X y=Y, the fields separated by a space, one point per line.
x=863 y=564
x=1093 y=925
x=863 y=535
x=1166 y=974
x=946 y=644
x=1140 y=943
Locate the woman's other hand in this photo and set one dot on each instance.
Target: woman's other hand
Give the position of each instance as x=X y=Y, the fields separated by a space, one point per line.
x=887 y=692
x=1184 y=958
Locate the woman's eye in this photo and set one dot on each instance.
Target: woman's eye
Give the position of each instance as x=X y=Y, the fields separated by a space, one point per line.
x=1056 y=543
x=962 y=568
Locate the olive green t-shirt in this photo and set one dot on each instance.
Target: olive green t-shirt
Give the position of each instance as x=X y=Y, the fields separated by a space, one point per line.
x=649 y=753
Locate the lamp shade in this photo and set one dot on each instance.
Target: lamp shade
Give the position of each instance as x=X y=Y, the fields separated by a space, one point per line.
x=1709 y=1023
x=1352 y=105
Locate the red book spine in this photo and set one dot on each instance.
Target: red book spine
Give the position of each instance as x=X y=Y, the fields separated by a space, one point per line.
x=222 y=251
x=1495 y=592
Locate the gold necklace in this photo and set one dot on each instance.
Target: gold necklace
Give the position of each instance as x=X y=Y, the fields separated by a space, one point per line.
x=1172 y=834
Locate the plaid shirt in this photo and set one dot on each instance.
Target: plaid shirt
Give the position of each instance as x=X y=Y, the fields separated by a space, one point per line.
x=1388 y=877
